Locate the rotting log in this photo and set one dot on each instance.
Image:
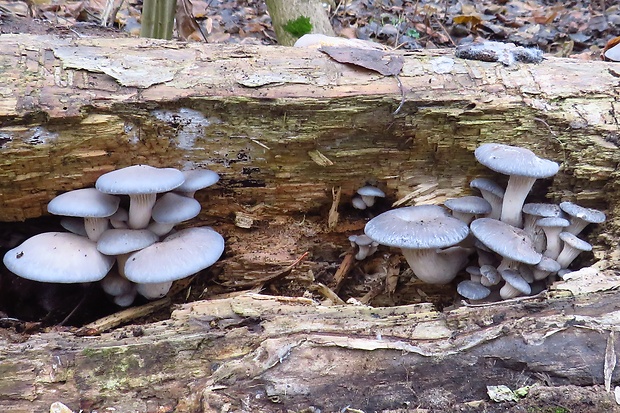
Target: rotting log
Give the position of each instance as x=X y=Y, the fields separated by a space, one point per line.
x=284 y=128
x=261 y=353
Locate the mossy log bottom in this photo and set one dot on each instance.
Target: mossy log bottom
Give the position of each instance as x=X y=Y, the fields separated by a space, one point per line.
x=259 y=353
x=286 y=128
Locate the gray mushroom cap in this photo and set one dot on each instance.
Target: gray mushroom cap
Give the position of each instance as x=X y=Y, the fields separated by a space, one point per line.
x=523 y=167
x=581 y=216
x=369 y=193
x=469 y=205
x=197 y=179
x=417 y=227
x=487 y=185
x=178 y=256
x=515 y=280
x=542 y=210
x=513 y=160
x=123 y=241
x=472 y=290
x=508 y=241
x=84 y=203
x=59 y=257
x=490 y=275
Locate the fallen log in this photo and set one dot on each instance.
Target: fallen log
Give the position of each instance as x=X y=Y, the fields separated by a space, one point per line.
x=286 y=128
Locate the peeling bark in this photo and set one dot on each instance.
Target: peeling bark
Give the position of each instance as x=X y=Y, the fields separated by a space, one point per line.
x=266 y=118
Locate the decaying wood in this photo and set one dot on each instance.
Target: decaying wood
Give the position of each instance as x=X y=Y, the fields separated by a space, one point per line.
x=283 y=127
x=259 y=353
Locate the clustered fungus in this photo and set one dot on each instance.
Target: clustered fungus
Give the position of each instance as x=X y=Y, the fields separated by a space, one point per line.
x=520 y=246
x=150 y=254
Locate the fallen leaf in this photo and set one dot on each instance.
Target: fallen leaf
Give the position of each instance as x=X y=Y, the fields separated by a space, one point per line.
x=385 y=63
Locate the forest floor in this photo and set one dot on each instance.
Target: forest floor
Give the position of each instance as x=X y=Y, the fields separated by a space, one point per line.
x=579 y=30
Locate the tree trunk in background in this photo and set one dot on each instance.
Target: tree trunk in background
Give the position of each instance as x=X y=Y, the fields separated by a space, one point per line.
x=285 y=127
x=283 y=11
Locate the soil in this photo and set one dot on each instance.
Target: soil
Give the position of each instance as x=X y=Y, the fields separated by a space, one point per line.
x=580 y=30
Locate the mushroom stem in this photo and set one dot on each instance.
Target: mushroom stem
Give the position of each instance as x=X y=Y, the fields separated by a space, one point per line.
x=95 y=227
x=436 y=266
x=140 y=207
x=516 y=191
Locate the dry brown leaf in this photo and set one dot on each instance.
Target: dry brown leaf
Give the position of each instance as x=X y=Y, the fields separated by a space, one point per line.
x=185 y=21
x=376 y=60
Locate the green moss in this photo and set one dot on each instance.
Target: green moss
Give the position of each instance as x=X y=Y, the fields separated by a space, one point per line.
x=299 y=26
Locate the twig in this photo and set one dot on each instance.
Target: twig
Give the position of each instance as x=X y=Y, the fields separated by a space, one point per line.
x=345 y=266
x=332 y=217
x=328 y=293
x=122 y=317
x=445 y=31
x=402 y=96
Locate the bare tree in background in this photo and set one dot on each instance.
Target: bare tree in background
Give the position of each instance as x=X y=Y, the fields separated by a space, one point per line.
x=284 y=11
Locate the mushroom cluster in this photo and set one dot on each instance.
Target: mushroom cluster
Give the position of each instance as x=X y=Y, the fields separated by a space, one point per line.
x=518 y=244
x=150 y=254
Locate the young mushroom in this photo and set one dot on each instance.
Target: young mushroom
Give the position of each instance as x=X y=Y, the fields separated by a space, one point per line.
x=421 y=232
x=552 y=227
x=172 y=209
x=93 y=206
x=365 y=246
x=580 y=217
x=573 y=246
x=467 y=207
x=492 y=192
x=369 y=194
x=195 y=180
x=472 y=290
x=142 y=183
x=523 y=168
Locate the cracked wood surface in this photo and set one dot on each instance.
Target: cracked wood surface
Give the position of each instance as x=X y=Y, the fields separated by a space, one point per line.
x=263 y=353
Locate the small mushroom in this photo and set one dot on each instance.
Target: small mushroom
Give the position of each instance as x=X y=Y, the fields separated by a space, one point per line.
x=467 y=207
x=153 y=291
x=421 y=232
x=545 y=267
x=142 y=183
x=58 y=257
x=358 y=203
x=195 y=180
x=581 y=217
x=489 y=275
x=492 y=192
x=514 y=285
x=170 y=210
x=364 y=244
x=552 y=227
x=533 y=212
x=472 y=290
x=573 y=246
x=93 y=206
x=369 y=193
x=523 y=168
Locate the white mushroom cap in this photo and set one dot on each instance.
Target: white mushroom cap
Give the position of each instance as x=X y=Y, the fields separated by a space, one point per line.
x=358 y=202
x=523 y=167
x=142 y=183
x=59 y=257
x=179 y=255
x=545 y=267
x=369 y=193
x=74 y=225
x=122 y=241
x=88 y=203
x=171 y=209
x=154 y=291
x=115 y=284
x=119 y=219
x=197 y=179
x=581 y=216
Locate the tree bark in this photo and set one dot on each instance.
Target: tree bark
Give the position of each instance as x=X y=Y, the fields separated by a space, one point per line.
x=285 y=128
x=283 y=11
x=263 y=354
